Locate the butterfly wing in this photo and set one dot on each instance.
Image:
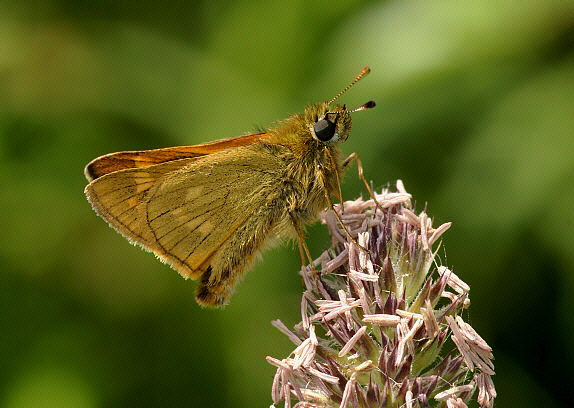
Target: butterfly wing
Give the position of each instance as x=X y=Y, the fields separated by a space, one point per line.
x=121 y=199
x=112 y=162
x=205 y=216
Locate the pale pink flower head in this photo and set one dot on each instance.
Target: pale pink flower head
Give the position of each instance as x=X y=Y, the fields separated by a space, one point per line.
x=375 y=324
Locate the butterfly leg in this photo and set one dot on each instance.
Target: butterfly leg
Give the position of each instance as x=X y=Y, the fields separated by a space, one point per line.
x=303 y=248
x=348 y=160
x=322 y=178
x=304 y=251
x=340 y=221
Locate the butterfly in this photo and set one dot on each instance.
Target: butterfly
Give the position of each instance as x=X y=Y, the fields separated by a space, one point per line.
x=208 y=210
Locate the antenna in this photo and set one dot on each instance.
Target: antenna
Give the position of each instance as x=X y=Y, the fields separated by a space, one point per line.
x=365 y=106
x=361 y=75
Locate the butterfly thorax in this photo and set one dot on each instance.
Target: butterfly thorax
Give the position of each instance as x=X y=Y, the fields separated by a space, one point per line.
x=311 y=168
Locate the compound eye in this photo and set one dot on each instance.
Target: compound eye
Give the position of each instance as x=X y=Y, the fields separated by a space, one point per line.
x=324 y=130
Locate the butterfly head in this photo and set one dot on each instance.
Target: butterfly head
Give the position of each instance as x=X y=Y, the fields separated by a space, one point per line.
x=328 y=126
x=332 y=125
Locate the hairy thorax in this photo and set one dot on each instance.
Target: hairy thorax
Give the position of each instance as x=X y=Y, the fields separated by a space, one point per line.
x=307 y=180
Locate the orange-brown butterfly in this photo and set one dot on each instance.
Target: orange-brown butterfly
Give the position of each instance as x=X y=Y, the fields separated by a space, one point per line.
x=207 y=210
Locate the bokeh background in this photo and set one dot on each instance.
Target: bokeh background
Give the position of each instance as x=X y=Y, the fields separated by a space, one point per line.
x=475 y=113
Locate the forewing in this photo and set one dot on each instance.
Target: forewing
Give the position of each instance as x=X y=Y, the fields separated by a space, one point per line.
x=112 y=162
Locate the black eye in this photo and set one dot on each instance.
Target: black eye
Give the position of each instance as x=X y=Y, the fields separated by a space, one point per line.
x=324 y=130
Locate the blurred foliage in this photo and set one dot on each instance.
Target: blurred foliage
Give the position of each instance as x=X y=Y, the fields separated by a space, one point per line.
x=475 y=113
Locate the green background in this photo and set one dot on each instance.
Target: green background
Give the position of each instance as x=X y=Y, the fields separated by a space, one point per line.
x=475 y=113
